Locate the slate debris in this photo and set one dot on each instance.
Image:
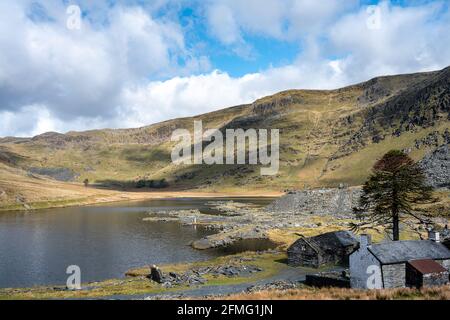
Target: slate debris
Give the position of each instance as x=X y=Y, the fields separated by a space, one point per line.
x=280 y=285
x=338 y=202
x=196 y=276
x=436 y=166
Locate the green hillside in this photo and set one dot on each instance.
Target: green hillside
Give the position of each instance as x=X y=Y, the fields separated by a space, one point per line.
x=326 y=138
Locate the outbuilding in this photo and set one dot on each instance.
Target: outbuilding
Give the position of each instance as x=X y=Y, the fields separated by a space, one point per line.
x=425 y=273
x=328 y=248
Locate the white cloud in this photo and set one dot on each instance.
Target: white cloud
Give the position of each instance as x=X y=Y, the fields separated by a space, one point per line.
x=187 y=96
x=223 y=24
x=81 y=73
x=280 y=19
x=407 y=40
x=105 y=75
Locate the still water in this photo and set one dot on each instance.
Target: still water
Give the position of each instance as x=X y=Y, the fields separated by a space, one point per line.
x=104 y=241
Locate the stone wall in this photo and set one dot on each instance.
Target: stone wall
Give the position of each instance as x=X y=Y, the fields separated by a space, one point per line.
x=301 y=254
x=445 y=264
x=415 y=278
x=324 y=280
x=435 y=279
x=394 y=275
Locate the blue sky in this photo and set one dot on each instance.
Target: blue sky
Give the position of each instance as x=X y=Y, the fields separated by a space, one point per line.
x=133 y=63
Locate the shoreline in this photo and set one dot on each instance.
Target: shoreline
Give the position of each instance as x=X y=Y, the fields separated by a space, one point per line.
x=135 y=282
x=131 y=196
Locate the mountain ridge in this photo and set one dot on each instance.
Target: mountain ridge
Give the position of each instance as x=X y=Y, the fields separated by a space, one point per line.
x=327 y=138
x=366 y=84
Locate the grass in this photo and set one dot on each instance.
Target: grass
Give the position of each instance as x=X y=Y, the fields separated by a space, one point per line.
x=37 y=192
x=309 y=293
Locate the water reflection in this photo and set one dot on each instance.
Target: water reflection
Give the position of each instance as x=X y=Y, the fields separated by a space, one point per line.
x=105 y=241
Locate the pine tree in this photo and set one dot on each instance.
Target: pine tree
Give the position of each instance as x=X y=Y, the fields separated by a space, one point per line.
x=397 y=184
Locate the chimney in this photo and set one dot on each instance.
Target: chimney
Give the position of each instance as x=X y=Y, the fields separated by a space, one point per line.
x=433 y=236
x=365 y=241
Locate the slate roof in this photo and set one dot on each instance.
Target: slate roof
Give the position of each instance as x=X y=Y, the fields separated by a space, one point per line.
x=336 y=239
x=346 y=238
x=403 y=251
x=330 y=240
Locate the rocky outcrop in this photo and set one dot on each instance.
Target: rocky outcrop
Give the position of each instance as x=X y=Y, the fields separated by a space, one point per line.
x=430 y=141
x=420 y=105
x=229 y=236
x=60 y=174
x=10 y=158
x=437 y=167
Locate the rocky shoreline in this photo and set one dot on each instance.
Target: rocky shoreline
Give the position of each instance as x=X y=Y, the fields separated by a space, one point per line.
x=198 y=276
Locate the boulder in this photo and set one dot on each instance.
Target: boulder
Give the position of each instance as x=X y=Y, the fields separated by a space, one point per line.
x=156 y=274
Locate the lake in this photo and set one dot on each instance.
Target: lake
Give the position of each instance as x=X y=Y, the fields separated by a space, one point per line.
x=104 y=241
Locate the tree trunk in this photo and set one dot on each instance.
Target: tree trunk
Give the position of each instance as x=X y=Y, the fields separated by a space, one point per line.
x=395 y=227
x=395 y=213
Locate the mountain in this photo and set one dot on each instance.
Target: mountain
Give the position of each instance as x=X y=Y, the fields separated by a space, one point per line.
x=327 y=138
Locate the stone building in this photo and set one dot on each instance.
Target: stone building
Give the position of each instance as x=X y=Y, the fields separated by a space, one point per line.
x=425 y=273
x=327 y=248
x=384 y=265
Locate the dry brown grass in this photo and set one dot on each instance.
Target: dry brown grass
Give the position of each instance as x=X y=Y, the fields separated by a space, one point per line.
x=38 y=192
x=306 y=293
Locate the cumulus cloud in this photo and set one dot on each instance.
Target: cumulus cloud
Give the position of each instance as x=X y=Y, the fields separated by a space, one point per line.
x=283 y=20
x=81 y=73
x=131 y=66
x=224 y=26
x=187 y=96
x=407 y=39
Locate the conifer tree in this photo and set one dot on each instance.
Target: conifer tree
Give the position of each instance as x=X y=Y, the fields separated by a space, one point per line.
x=389 y=195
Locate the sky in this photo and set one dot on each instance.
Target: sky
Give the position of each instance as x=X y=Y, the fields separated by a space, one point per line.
x=91 y=64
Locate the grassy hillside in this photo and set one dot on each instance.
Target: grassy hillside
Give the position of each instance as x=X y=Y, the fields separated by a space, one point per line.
x=326 y=138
